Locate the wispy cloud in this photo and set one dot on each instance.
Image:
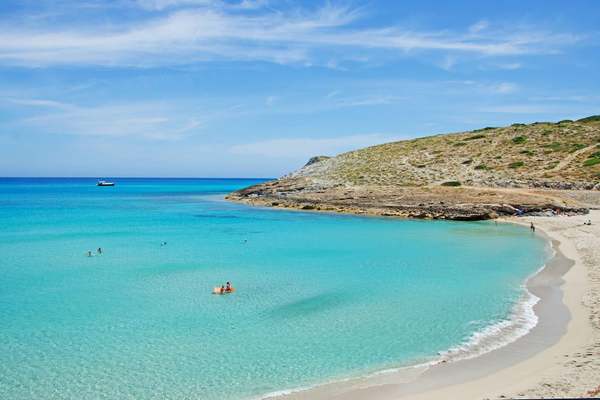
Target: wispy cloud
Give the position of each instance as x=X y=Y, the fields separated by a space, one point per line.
x=479 y=26
x=303 y=147
x=155 y=121
x=205 y=32
x=38 y=103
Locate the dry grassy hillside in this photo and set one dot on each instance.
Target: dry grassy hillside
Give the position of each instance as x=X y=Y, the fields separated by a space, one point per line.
x=560 y=155
x=540 y=167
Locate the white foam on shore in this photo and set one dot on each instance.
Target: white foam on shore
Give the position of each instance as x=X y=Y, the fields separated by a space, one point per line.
x=523 y=319
x=519 y=323
x=490 y=338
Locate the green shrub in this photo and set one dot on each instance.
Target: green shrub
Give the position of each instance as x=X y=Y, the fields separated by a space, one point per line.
x=459 y=144
x=591 y=161
x=481 y=167
x=451 y=183
x=579 y=146
x=517 y=125
x=527 y=152
x=593 y=118
x=554 y=146
x=565 y=121
x=475 y=137
x=595 y=155
x=516 y=164
x=519 y=139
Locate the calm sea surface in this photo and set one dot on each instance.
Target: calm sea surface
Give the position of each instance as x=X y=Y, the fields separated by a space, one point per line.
x=319 y=297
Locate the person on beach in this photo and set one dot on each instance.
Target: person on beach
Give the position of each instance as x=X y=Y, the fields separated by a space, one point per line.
x=532 y=227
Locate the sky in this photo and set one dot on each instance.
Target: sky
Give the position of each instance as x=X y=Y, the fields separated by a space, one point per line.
x=253 y=88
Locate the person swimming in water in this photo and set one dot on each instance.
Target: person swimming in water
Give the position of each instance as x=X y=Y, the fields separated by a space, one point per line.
x=99 y=250
x=532 y=227
x=228 y=287
x=222 y=289
x=89 y=253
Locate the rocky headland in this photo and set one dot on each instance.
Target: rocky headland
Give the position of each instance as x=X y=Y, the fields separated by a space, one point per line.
x=542 y=168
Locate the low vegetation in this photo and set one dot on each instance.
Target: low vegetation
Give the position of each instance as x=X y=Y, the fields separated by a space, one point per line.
x=516 y=164
x=555 y=152
x=451 y=183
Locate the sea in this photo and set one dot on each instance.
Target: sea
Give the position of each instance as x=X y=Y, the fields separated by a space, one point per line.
x=318 y=297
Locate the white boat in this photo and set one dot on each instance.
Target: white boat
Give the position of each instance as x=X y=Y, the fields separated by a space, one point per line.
x=105 y=183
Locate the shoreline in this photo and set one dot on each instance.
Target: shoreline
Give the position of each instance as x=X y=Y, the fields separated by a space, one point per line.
x=516 y=368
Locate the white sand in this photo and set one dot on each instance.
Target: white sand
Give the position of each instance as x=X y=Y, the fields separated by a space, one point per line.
x=559 y=358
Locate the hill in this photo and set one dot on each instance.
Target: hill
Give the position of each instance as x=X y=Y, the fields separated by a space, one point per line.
x=469 y=175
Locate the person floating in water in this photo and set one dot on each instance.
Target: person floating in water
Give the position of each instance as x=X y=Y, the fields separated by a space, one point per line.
x=228 y=287
x=222 y=289
x=532 y=227
x=89 y=253
x=163 y=243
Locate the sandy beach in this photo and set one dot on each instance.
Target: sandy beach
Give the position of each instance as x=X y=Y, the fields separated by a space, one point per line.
x=559 y=357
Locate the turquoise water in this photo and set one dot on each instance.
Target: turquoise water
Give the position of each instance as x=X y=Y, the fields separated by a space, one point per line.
x=319 y=297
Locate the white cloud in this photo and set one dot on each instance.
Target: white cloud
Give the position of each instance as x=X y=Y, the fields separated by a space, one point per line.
x=38 y=103
x=145 y=120
x=191 y=35
x=304 y=148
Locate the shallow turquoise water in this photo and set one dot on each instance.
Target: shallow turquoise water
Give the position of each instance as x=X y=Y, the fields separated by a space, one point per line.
x=319 y=296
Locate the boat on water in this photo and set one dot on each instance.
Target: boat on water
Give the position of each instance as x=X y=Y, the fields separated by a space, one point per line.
x=105 y=183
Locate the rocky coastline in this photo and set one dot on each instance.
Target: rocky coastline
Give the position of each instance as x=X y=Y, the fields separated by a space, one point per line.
x=461 y=204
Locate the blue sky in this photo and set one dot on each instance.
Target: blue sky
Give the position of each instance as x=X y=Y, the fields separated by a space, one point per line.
x=254 y=88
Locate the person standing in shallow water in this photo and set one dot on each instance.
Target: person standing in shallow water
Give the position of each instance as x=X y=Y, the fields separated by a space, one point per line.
x=532 y=227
